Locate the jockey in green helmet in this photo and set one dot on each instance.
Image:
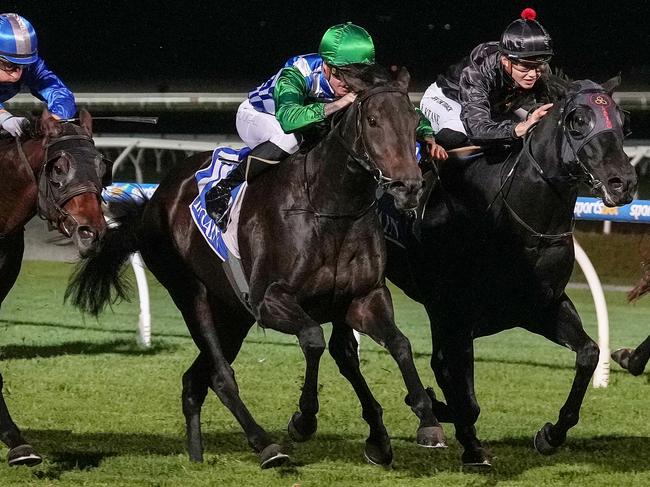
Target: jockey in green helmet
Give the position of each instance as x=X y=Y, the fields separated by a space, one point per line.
x=302 y=94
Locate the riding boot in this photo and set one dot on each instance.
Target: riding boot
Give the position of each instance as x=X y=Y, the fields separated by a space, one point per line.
x=259 y=160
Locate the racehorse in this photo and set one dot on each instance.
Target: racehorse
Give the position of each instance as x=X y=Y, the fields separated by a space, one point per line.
x=313 y=252
x=495 y=250
x=58 y=173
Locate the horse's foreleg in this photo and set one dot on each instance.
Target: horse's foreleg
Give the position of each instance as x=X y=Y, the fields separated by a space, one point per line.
x=343 y=348
x=11 y=255
x=280 y=311
x=373 y=316
x=564 y=327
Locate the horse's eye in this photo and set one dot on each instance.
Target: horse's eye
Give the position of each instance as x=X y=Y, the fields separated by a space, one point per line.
x=372 y=121
x=580 y=123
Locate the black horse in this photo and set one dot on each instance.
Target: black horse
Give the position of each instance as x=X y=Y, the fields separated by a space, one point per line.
x=58 y=173
x=312 y=250
x=495 y=250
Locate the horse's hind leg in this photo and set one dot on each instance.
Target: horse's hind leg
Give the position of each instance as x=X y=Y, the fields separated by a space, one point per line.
x=195 y=389
x=343 y=348
x=373 y=315
x=20 y=452
x=456 y=369
x=633 y=360
x=563 y=326
x=191 y=298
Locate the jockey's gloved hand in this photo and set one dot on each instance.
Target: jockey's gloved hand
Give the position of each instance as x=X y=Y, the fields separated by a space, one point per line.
x=15 y=126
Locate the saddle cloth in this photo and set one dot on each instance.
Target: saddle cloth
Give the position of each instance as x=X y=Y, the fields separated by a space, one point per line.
x=224 y=160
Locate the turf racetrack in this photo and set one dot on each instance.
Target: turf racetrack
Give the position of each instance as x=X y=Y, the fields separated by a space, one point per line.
x=104 y=412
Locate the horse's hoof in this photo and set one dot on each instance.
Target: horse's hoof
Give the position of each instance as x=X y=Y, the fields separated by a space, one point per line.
x=542 y=441
x=431 y=437
x=293 y=428
x=23 y=455
x=477 y=461
x=376 y=455
x=622 y=357
x=272 y=456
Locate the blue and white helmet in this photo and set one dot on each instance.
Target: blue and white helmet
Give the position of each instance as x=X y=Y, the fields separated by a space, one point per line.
x=18 y=42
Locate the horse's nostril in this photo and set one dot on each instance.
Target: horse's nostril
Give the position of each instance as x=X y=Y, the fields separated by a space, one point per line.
x=85 y=232
x=616 y=184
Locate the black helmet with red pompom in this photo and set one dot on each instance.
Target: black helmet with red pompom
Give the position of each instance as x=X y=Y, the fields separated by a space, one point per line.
x=526 y=39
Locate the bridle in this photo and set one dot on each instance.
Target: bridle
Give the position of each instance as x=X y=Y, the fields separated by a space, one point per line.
x=573 y=142
x=362 y=158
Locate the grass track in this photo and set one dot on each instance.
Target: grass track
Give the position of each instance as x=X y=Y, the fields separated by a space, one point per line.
x=104 y=412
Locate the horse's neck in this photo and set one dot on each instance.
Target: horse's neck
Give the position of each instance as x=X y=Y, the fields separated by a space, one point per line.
x=543 y=192
x=336 y=183
x=19 y=188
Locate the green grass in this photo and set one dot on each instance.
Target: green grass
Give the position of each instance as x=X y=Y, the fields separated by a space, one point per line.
x=104 y=412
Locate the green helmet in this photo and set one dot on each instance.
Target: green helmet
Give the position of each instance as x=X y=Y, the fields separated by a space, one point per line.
x=346 y=44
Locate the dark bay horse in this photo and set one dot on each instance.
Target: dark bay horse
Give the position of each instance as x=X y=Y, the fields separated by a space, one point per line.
x=58 y=173
x=313 y=252
x=496 y=251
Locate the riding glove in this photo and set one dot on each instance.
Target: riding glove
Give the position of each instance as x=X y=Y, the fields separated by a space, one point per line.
x=14 y=125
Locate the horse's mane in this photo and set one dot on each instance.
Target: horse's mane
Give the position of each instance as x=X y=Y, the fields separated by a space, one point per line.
x=363 y=76
x=557 y=84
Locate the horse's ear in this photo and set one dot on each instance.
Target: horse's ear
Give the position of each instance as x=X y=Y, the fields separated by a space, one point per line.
x=611 y=84
x=86 y=121
x=48 y=126
x=403 y=78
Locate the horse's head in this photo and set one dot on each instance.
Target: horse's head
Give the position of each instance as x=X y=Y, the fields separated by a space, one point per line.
x=71 y=180
x=385 y=133
x=590 y=142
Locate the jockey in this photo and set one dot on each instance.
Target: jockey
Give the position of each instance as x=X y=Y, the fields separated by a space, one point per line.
x=20 y=65
x=487 y=97
x=307 y=90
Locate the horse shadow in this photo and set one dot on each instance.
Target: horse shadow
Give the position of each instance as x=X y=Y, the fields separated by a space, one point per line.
x=67 y=451
x=120 y=346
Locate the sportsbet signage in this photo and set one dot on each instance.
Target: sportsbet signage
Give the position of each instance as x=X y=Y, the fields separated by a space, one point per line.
x=593 y=209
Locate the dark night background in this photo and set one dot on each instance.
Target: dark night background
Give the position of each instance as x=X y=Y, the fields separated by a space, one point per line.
x=233 y=46
x=217 y=45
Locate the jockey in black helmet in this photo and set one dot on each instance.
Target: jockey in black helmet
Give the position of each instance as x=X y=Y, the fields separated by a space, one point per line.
x=487 y=96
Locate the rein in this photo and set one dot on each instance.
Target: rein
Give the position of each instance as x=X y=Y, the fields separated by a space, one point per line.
x=363 y=160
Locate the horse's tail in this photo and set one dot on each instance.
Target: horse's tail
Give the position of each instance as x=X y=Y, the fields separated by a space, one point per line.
x=98 y=280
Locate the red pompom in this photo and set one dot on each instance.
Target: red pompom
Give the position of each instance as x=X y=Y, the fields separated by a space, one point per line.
x=528 y=14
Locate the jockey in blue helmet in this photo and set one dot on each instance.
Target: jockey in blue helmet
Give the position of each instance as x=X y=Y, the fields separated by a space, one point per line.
x=21 y=66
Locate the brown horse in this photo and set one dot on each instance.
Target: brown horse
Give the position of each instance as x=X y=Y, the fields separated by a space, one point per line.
x=58 y=173
x=313 y=252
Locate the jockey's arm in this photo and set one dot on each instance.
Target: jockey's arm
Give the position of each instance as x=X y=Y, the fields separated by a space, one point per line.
x=424 y=133
x=474 y=92
x=48 y=87
x=289 y=95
